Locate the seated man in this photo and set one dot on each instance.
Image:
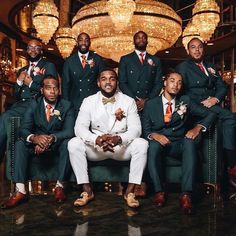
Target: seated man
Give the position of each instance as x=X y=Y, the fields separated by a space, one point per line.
x=108 y=126
x=164 y=124
x=47 y=126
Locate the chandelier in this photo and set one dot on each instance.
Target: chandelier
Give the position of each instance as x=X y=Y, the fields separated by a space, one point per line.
x=190 y=32
x=206 y=17
x=121 y=12
x=45 y=19
x=157 y=19
x=65 y=41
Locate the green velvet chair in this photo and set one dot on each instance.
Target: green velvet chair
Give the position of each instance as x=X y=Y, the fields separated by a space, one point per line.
x=208 y=171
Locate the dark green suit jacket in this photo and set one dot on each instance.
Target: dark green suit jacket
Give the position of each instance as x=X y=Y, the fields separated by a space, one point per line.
x=34 y=122
x=78 y=82
x=198 y=85
x=135 y=79
x=153 y=117
x=24 y=92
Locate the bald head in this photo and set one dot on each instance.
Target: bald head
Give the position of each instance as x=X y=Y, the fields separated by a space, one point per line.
x=34 y=50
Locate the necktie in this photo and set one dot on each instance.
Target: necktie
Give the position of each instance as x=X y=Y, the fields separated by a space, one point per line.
x=83 y=61
x=48 y=112
x=141 y=57
x=107 y=100
x=201 y=67
x=32 y=69
x=168 y=114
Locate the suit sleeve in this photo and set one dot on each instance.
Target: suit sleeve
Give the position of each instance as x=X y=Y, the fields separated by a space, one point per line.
x=123 y=78
x=133 y=125
x=158 y=83
x=146 y=121
x=221 y=88
x=82 y=124
x=67 y=130
x=66 y=83
x=17 y=88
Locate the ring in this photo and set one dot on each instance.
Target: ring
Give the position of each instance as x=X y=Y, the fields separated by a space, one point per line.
x=100 y=139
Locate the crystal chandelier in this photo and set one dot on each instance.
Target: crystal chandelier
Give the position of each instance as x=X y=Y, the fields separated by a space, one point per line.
x=190 y=32
x=65 y=41
x=206 y=17
x=121 y=12
x=157 y=19
x=45 y=19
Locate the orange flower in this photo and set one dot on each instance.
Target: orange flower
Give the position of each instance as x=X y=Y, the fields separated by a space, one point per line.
x=119 y=114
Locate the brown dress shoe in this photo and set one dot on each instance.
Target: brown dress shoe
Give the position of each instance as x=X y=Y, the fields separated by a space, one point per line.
x=16 y=199
x=232 y=176
x=185 y=202
x=59 y=194
x=160 y=199
x=140 y=190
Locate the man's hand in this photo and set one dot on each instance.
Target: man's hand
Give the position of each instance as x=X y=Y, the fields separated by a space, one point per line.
x=38 y=150
x=193 y=133
x=22 y=76
x=160 y=138
x=42 y=140
x=101 y=139
x=140 y=103
x=209 y=102
x=27 y=80
x=114 y=140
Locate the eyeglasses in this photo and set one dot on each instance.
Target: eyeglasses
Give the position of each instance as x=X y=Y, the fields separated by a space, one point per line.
x=36 y=48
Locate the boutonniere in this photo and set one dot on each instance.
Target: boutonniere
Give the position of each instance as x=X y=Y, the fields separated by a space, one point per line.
x=211 y=71
x=181 y=109
x=56 y=113
x=150 y=62
x=90 y=62
x=38 y=71
x=119 y=114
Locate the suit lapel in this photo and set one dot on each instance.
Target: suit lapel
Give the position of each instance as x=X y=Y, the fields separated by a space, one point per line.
x=198 y=71
x=54 y=118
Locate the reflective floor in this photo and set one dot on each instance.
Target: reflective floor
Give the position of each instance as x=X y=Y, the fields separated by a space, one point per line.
x=109 y=215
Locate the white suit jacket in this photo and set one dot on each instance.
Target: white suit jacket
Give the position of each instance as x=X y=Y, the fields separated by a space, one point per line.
x=93 y=119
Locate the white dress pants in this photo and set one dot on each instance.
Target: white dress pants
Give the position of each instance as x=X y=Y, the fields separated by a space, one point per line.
x=136 y=151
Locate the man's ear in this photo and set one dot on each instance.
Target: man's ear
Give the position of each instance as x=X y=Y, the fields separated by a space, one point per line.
x=164 y=83
x=41 y=90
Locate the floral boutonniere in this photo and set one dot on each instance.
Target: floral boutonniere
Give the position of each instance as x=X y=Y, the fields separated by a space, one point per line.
x=91 y=63
x=38 y=71
x=119 y=114
x=56 y=113
x=181 y=109
x=212 y=71
x=150 y=62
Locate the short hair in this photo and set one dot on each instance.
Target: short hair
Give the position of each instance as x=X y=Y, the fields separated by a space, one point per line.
x=195 y=38
x=107 y=69
x=140 y=31
x=171 y=71
x=83 y=33
x=49 y=77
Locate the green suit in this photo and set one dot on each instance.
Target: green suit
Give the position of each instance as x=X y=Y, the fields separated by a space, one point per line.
x=78 y=82
x=153 y=122
x=140 y=80
x=34 y=122
x=198 y=86
x=24 y=94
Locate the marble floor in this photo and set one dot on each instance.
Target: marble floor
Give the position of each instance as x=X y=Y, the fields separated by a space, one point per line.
x=108 y=215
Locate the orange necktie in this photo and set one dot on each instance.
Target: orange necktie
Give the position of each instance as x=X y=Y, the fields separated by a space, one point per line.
x=168 y=114
x=141 y=57
x=48 y=112
x=83 y=61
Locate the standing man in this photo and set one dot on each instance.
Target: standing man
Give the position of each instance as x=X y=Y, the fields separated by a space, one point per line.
x=140 y=74
x=45 y=130
x=27 y=86
x=205 y=86
x=80 y=72
x=108 y=127
x=164 y=125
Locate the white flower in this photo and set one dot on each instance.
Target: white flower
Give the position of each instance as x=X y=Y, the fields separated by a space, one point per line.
x=150 y=62
x=211 y=70
x=91 y=62
x=56 y=113
x=36 y=69
x=181 y=109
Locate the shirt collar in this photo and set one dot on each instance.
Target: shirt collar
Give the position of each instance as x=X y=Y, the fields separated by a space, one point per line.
x=165 y=101
x=34 y=62
x=86 y=55
x=138 y=52
x=52 y=105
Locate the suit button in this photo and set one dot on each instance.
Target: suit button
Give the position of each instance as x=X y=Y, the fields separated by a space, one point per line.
x=74 y=72
x=23 y=99
x=173 y=129
x=131 y=72
x=80 y=80
x=146 y=91
x=138 y=81
x=137 y=91
x=146 y=81
x=23 y=91
x=88 y=80
x=88 y=89
x=80 y=90
x=197 y=82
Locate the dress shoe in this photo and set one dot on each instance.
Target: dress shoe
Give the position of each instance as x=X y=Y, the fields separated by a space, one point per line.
x=131 y=201
x=185 y=202
x=232 y=176
x=160 y=199
x=84 y=199
x=140 y=190
x=16 y=199
x=59 y=194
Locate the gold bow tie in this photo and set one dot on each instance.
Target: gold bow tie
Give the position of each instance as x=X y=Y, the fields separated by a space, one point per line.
x=107 y=100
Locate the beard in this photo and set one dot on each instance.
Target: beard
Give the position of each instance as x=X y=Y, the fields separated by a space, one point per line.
x=34 y=59
x=83 y=50
x=141 y=47
x=107 y=95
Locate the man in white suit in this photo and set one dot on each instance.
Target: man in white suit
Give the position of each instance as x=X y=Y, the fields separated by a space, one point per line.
x=108 y=126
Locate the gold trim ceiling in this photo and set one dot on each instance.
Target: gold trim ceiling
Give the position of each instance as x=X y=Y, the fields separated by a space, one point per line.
x=157 y=19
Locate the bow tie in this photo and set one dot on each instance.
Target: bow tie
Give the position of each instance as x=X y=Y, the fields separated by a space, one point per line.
x=107 y=100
